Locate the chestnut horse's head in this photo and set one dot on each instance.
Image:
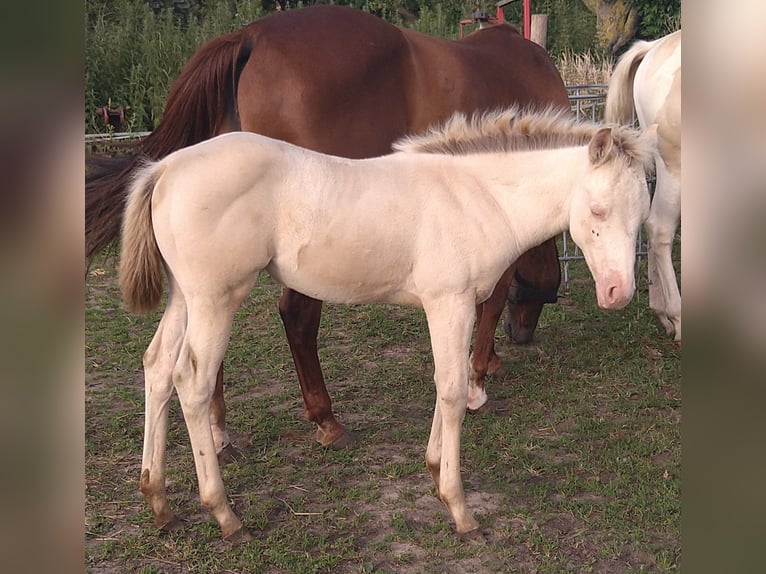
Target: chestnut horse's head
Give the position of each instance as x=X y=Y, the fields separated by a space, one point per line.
x=536 y=281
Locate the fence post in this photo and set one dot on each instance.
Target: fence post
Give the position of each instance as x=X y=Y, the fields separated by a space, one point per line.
x=539 y=30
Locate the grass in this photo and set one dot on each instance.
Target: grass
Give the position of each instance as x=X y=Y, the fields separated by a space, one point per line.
x=578 y=470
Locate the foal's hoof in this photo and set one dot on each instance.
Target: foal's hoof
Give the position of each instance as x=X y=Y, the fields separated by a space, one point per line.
x=228 y=455
x=239 y=536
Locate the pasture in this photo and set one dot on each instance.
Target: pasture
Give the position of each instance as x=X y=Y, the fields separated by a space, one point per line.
x=576 y=470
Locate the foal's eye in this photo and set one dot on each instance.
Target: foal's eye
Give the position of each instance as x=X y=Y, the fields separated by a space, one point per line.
x=598 y=210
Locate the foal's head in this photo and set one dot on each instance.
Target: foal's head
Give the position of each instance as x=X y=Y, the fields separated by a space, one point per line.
x=608 y=207
x=609 y=201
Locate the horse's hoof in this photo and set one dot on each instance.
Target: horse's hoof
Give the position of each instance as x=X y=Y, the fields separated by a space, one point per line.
x=475 y=536
x=491 y=407
x=495 y=366
x=239 y=536
x=342 y=441
x=171 y=526
x=228 y=455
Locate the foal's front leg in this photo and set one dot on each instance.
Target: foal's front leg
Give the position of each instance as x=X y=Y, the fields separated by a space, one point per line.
x=450 y=322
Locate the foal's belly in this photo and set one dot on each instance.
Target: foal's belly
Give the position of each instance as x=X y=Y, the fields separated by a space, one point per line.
x=345 y=280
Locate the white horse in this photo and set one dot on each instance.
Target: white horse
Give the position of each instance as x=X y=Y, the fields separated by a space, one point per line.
x=434 y=225
x=647 y=79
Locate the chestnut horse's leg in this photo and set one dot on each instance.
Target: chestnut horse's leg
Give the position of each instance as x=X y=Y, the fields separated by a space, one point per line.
x=300 y=316
x=484 y=360
x=223 y=447
x=540 y=273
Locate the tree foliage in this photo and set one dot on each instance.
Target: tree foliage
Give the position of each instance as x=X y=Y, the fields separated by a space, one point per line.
x=658 y=17
x=619 y=22
x=135 y=48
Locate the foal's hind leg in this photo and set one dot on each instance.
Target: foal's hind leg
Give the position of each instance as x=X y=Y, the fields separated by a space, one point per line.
x=300 y=316
x=194 y=377
x=665 y=212
x=159 y=359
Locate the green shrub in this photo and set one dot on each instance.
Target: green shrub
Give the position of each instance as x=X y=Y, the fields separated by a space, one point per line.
x=133 y=53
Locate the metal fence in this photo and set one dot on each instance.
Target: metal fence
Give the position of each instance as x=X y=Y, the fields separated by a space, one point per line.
x=587 y=103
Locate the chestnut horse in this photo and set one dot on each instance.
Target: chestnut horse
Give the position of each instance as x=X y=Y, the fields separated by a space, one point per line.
x=343 y=82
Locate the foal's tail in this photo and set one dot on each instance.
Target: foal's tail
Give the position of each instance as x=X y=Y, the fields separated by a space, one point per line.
x=141 y=267
x=619 y=96
x=202 y=103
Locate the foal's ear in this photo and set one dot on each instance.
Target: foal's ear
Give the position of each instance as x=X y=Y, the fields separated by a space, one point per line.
x=600 y=146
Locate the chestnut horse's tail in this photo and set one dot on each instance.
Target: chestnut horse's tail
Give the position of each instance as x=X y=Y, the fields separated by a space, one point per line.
x=141 y=269
x=620 y=106
x=201 y=104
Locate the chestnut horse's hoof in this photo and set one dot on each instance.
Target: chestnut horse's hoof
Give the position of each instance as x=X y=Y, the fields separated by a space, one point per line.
x=171 y=526
x=491 y=407
x=339 y=442
x=342 y=441
x=239 y=536
x=228 y=455
x=475 y=536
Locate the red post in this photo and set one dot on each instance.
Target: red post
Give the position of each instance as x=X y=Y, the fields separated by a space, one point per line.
x=527 y=19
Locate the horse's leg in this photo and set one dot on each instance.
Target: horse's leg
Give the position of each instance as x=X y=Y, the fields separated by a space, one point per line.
x=226 y=451
x=434 y=448
x=194 y=377
x=484 y=359
x=665 y=212
x=300 y=317
x=159 y=360
x=450 y=322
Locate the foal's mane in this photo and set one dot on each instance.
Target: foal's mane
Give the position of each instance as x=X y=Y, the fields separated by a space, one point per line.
x=512 y=129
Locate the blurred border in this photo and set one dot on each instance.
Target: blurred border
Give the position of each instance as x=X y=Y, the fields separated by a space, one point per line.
x=724 y=286
x=41 y=286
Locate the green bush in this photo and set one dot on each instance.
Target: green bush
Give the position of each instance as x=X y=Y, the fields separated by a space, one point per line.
x=135 y=48
x=132 y=53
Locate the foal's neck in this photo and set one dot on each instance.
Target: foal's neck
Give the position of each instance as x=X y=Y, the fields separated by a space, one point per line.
x=535 y=190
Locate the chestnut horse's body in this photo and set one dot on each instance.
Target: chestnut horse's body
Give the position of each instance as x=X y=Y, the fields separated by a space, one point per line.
x=343 y=82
